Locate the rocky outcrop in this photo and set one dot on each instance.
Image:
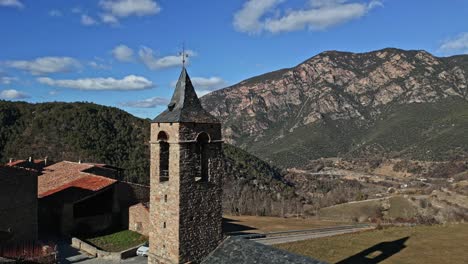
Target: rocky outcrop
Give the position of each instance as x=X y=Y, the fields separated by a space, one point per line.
x=336 y=86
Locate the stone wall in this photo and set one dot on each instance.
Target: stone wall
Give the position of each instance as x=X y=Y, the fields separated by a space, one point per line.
x=95 y=252
x=138 y=219
x=164 y=199
x=18 y=204
x=128 y=194
x=131 y=193
x=200 y=205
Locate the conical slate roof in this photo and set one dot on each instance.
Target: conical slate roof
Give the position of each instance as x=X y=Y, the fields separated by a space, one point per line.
x=185 y=107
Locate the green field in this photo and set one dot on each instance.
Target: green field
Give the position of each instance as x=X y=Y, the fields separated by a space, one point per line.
x=118 y=241
x=394 y=245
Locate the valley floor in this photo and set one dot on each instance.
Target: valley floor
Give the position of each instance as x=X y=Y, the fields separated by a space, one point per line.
x=408 y=245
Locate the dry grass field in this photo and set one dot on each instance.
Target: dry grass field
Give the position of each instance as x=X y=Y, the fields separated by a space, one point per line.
x=394 y=245
x=262 y=224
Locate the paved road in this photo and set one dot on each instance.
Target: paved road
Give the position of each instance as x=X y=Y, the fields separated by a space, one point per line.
x=286 y=238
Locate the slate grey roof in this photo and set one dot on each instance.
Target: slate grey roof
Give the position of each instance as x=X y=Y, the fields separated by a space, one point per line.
x=235 y=250
x=185 y=105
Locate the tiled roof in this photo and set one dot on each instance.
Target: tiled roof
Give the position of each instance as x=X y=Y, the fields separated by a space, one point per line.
x=14 y=163
x=65 y=174
x=18 y=162
x=234 y=250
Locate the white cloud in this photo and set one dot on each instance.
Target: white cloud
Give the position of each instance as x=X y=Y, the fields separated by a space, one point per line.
x=146 y=103
x=457 y=44
x=148 y=58
x=248 y=18
x=114 y=9
x=206 y=84
x=55 y=13
x=87 y=20
x=12 y=94
x=45 y=65
x=128 y=83
x=123 y=53
x=6 y=79
x=320 y=15
x=99 y=66
x=109 y=19
x=76 y=10
x=11 y=3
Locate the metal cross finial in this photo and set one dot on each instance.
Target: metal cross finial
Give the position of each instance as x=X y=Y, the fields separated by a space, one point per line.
x=184 y=55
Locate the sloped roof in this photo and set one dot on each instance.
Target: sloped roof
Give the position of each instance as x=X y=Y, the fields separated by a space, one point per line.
x=66 y=174
x=235 y=250
x=185 y=107
x=36 y=164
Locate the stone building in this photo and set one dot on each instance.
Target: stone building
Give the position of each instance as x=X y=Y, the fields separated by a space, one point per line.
x=186 y=179
x=18 y=205
x=138 y=218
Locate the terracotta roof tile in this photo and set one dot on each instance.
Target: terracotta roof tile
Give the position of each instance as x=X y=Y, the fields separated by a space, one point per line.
x=87 y=182
x=14 y=163
x=65 y=174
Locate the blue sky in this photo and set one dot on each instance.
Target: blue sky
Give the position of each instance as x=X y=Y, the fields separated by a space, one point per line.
x=123 y=53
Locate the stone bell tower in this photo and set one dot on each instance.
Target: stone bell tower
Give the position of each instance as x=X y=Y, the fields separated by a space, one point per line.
x=186 y=180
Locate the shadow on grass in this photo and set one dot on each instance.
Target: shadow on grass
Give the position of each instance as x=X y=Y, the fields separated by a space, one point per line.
x=377 y=253
x=230 y=227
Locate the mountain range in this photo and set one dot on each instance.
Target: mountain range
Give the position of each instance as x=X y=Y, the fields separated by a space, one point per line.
x=389 y=103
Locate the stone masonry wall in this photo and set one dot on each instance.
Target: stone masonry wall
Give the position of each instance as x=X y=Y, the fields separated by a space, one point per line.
x=200 y=205
x=164 y=199
x=18 y=203
x=139 y=219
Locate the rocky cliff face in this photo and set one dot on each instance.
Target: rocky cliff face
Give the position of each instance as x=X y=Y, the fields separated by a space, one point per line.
x=333 y=87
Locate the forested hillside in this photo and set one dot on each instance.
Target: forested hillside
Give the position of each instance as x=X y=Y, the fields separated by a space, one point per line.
x=75 y=131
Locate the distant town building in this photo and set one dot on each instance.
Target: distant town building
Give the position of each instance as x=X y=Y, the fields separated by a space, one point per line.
x=18 y=205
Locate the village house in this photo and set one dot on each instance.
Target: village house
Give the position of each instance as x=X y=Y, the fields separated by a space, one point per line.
x=18 y=205
x=77 y=197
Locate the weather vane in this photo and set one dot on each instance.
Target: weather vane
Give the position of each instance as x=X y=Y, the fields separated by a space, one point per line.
x=183 y=54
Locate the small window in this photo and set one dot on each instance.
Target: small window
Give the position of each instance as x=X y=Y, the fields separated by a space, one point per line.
x=164 y=225
x=138 y=226
x=203 y=157
x=165 y=198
